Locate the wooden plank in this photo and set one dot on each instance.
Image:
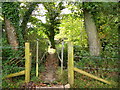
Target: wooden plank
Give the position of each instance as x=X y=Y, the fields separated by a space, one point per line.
x=37 y=59
x=70 y=64
x=16 y=74
x=27 y=62
x=90 y=75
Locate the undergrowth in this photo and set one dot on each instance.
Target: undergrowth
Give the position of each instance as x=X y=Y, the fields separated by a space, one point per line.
x=105 y=67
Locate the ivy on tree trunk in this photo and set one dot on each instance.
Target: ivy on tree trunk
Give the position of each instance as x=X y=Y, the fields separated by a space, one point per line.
x=93 y=41
x=11 y=34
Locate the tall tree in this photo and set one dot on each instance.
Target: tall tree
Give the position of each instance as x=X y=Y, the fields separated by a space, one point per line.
x=11 y=34
x=105 y=21
x=11 y=22
x=53 y=19
x=15 y=32
x=94 y=43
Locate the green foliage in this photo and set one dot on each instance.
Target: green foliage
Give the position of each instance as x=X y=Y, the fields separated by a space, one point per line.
x=62 y=78
x=11 y=57
x=13 y=61
x=12 y=82
x=8 y=8
x=53 y=20
x=34 y=34
x=85 y=82
x=72 y=29
x=35 y=79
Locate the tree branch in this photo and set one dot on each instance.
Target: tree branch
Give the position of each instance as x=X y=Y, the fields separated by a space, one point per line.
x=27 y=16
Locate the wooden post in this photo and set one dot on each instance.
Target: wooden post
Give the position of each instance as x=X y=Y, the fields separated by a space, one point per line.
x=27 y=62
x=37 y=59
x=62 y=57
x=70 y=64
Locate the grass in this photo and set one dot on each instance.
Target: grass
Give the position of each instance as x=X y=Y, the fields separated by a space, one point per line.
x=15 y=82
x=82 y=81
x=63 y=79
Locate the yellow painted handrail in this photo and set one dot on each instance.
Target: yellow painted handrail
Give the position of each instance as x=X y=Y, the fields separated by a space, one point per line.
x=16 y=74
x=90 y=75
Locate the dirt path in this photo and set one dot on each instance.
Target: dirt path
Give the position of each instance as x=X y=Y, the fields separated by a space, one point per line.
x=44 y=85
x=50 y=67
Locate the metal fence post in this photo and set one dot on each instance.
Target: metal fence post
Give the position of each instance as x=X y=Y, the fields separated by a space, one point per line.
x=37 y=59
x=62 y=50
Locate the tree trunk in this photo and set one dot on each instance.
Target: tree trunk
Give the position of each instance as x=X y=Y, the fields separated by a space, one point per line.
x=94 y=43
x=51 y=38
x=11 y=34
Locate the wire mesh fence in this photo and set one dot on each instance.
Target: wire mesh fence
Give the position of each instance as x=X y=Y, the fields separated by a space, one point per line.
x=76 y=56
x=12 y=65
x=115 y=58
x=12 y=60
x=105 y=62
x=97 y=63
x=104 y=69
x=4 y=47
